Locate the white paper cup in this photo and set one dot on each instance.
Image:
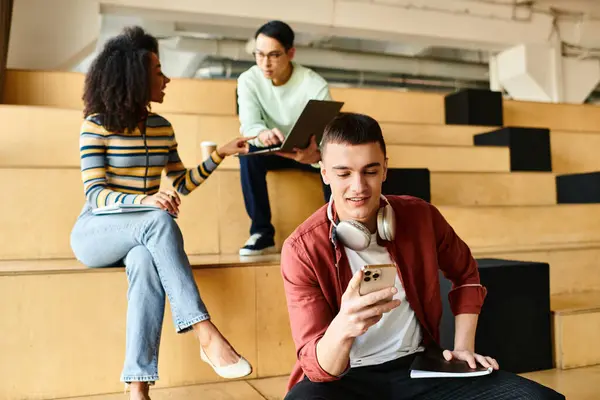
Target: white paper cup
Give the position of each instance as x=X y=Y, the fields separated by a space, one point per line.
x=207 y=149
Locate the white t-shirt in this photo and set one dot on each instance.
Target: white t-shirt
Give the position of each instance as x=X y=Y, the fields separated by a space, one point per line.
x=398 y=333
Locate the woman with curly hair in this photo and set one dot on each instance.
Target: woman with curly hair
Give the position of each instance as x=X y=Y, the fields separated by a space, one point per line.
x=124 y=150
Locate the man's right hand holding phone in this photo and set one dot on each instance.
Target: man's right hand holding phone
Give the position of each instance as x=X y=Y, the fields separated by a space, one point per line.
x=357 y=314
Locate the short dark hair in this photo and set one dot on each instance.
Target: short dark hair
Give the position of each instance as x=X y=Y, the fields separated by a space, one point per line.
x=279 y=31
x=117 y=84
x=353 y=129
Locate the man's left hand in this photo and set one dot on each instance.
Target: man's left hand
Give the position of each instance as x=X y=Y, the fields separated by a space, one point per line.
x=471 y=358
x=309 y=155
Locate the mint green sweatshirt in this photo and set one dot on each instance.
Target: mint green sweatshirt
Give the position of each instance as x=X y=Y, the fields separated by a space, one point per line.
x=264 y=106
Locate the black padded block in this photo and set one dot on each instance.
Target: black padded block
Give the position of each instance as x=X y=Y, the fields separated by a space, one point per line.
x=515 y=321
x=474 y=107
x=529 y=147
x=578 y=188
x=408 y=181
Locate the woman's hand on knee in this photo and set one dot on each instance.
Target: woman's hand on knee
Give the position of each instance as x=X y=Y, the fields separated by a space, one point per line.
x=165 y=199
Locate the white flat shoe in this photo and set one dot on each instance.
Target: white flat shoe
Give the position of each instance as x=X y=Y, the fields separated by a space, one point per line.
x=232 y=371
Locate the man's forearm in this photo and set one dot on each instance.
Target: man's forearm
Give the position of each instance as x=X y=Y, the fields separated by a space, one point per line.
x=333 y=352
x=464 y=331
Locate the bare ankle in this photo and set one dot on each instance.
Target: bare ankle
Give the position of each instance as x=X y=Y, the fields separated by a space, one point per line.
x=139 y=387
x=205 y=331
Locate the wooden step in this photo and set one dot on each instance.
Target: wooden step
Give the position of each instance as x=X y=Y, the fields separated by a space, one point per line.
x=492 y=189
x=198 y=96
x=49 y=137
x=440 y=135
x=271 y=388
x=575 y=384
x=237 y=390
x=64 y=90
x=51 y=200
x=37 y=191
x=437 y=158
x=527 y=228
x=54 y=198
x=49 y=266
x=574 y=152
x=450 y=158
x=195 y=96
x=29 y=127
x=75 y=327
x=389 y=105
x=562 y=117
x=573 y=267
x=28 y=142
x=576 y=327
x=53 y=317
x=44 y=88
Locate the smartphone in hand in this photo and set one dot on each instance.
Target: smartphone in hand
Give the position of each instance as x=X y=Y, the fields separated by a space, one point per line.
x=377 y=277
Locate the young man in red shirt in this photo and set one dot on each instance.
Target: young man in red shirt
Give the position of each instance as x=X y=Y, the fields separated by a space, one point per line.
x=360 y=347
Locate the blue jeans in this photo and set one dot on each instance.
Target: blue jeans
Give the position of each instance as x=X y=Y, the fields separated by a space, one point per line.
x=150 y=245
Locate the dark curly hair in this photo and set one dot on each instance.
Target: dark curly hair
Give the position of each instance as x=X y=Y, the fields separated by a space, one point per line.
x=117 y=84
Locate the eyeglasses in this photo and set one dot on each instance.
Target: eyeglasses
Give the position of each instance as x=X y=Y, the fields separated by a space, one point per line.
x=272 y=56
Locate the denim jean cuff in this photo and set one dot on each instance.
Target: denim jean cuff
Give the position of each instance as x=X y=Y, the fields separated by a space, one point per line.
x=144 y=378
x=186 y=326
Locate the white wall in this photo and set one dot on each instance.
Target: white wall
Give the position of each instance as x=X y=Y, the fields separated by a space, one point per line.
x=50 y=34
x=437 y=22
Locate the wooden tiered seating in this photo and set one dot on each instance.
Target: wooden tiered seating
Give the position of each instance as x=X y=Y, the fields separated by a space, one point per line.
x=72 y=323
x=574 y=384
x=67 y=320
x=576 y=327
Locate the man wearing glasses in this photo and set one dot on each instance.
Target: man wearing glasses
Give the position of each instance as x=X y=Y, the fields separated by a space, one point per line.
x=271 y=97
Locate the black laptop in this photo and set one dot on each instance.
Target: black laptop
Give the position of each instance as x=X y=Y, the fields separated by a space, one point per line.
x=312 y=122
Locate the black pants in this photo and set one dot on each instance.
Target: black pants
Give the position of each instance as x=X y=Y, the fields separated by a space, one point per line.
x=253 y=171
x=391 y=381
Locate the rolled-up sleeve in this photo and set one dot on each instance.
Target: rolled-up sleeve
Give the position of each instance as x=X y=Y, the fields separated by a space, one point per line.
x=309 y=311
x=459 y=266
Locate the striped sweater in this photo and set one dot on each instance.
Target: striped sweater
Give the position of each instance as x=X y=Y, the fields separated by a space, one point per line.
x=126 y=167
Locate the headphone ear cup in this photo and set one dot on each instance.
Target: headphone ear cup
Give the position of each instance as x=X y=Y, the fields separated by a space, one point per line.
x=386 y=223
x=353 y=235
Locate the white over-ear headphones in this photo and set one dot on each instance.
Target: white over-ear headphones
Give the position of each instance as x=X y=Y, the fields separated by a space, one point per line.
x=356 y=236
